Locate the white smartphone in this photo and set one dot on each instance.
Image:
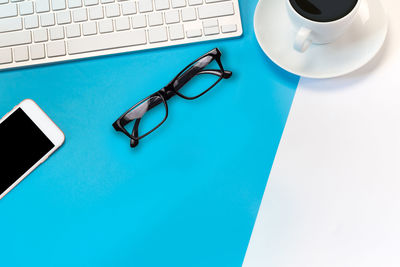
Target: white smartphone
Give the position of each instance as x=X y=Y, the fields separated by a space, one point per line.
x=27 y=138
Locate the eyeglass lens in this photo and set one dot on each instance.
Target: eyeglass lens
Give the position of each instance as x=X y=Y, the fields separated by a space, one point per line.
x=196 y=79
x=146 y=116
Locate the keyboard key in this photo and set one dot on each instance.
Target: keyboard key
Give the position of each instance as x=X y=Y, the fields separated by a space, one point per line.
x=74 y=3
x=96 y=12
x=56 y=33
x=21 y=53
x=58 y=4
x=195 y=2
x=157 y=35
x=155 y=19
x=193 y=33
x=145 y=6
x=26 y=8
x=63 y=17
x=106 y=41
x=176 y=32
x=5 y=56
x=216 y=10
x=214 y=1
x=112 y=10
x=89 y=28
x=172 y=16
x=37 y=51
x=42 y=6
x=56 y=49
x=139 y=21
x=107 y=1
x=10 y=24
x=91 y=2
x=40 y=35
x=189 y=14
x=178 y=3
x=210 y=23
x=15 y=38
x=229 y=28
x=106 y=26
x=9 y=10
x=79 y=15
x=128 y=8
x=122 y=24
x=31 y=22
x=3 y=1
x=73 y=30
x=211 y=31
x=161 y=4
x=47 y=20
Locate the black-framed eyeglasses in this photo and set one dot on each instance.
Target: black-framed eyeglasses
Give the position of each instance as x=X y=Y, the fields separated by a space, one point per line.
x=192 y=82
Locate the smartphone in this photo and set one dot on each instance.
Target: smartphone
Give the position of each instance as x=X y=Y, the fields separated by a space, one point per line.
x=27 y=138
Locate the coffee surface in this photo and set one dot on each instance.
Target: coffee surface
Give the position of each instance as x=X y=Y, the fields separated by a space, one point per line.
x=323 y=10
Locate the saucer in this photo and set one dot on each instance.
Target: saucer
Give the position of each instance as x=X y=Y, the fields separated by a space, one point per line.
x=361 y=42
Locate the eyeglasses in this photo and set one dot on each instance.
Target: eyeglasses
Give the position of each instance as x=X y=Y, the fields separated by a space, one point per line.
x=192 y=82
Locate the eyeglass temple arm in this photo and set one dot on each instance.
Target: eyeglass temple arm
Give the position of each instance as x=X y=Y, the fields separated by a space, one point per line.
x=191 y=73
x=135 y=133
x=225 y=75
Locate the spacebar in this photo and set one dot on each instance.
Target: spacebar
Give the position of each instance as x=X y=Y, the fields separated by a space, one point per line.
x=106 y=41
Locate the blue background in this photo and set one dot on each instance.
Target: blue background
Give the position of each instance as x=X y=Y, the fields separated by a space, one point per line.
x=187 y=196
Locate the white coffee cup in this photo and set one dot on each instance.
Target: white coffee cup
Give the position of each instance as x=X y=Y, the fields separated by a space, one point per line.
x=315 y=32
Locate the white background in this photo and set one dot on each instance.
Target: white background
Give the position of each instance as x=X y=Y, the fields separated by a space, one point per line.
x=333 y=196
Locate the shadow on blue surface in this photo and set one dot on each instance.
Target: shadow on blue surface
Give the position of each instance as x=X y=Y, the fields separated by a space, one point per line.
x=188 y=196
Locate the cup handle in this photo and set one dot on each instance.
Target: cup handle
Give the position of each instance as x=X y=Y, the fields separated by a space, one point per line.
x=302 y=41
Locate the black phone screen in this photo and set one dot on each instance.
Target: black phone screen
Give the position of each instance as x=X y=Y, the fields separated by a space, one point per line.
x=22 y=145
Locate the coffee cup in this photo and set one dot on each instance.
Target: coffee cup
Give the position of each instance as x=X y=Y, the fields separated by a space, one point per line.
x=320 y=21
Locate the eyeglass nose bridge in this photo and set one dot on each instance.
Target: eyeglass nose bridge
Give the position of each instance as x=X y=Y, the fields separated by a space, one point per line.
x=167 y=92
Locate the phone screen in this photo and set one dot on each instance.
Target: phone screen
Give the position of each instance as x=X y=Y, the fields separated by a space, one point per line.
x=22 y=145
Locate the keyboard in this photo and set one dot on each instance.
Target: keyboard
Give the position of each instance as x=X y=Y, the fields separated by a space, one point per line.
x=44 y=31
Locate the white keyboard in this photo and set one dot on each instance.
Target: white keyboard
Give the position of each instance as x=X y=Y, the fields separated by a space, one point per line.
x=44 y=31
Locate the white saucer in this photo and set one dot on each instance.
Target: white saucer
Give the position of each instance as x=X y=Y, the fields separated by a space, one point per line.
x=275 y=34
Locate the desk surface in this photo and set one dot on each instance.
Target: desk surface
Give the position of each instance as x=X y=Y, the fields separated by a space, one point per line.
x=188 y=196
x=333 y=195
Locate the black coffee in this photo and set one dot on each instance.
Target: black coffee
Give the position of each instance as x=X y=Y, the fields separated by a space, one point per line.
x=323 y=10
